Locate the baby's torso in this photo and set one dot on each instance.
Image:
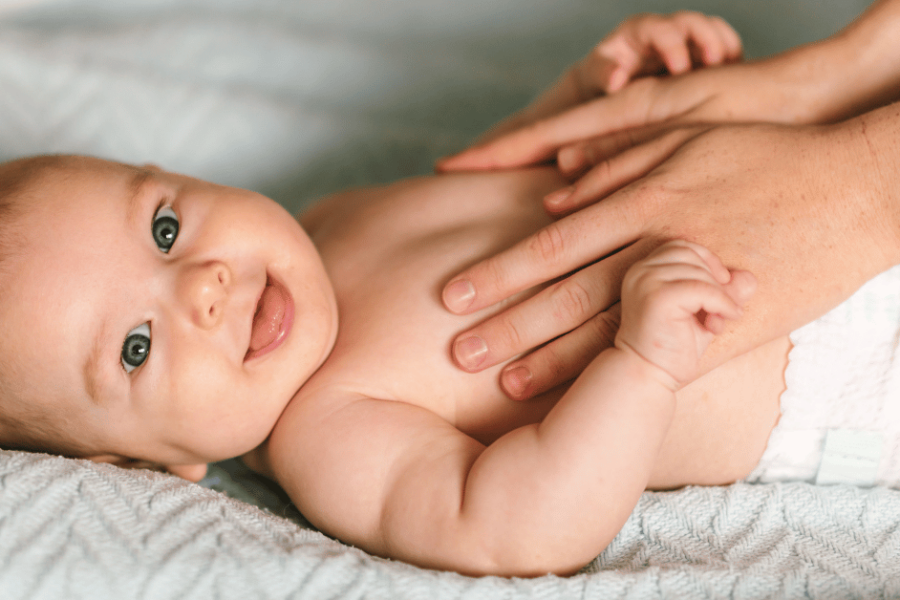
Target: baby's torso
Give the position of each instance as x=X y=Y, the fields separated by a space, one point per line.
x=390 y=250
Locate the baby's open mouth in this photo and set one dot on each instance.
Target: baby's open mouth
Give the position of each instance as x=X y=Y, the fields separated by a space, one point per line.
x=272 y=320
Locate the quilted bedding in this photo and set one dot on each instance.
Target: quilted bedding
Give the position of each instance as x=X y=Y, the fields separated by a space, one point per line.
x=298 y=99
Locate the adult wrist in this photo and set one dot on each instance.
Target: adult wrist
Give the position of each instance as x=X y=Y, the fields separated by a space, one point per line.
x=871 y=164
x=852 y=72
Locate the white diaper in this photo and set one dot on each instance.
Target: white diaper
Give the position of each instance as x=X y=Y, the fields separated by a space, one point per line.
x=840 y=413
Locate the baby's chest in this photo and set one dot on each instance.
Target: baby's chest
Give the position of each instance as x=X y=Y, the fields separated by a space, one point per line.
x=396 y=346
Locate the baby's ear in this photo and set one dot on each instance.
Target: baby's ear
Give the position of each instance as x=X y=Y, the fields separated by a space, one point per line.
x=190 y=472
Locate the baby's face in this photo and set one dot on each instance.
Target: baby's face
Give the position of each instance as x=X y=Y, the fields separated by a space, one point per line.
x=161 y=317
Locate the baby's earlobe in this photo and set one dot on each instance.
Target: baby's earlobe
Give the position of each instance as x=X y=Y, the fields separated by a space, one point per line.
x=192 y=473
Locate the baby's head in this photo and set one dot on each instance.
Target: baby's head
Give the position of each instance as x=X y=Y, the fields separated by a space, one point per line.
x=150 y=316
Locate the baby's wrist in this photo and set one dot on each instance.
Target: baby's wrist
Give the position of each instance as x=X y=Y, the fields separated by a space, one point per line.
x=646 y=367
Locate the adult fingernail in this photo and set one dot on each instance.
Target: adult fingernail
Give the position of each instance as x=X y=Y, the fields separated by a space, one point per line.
x=470 y=352
x=559 y=196
x=570 y=159
x=458 y=296
x=516 y=381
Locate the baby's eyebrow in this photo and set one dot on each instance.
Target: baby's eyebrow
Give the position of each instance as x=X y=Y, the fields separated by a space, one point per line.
x=135 y=186
x=92 y=365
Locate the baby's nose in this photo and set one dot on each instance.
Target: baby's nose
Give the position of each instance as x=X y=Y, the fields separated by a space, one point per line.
x=204 y=287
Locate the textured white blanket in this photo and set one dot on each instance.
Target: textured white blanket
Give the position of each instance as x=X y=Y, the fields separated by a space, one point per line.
x=296 y=99
x=73 y=529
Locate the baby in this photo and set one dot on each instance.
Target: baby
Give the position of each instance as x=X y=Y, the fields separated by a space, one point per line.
x=151 y=318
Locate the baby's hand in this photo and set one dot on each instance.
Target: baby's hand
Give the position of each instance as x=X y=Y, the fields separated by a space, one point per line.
x=650 y=44
x=673 y=303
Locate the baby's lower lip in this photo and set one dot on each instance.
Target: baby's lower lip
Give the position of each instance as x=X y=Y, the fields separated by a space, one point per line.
x=272 y=320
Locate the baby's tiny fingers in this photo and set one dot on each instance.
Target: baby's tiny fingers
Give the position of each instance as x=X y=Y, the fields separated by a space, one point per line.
x=734 y=48
x=672 y=49
x=694 y=296
x=708 y=43
x=742 y=286
x=691 y=253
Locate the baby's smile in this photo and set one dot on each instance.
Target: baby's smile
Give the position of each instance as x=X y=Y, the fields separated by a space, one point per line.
x=272 y=319
x=211 y=275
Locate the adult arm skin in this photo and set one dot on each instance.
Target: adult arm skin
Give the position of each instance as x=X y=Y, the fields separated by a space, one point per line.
x=812 y=211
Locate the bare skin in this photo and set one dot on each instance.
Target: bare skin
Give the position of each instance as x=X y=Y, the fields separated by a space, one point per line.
x=390 y=398
x=194 y=313
x=753 y=194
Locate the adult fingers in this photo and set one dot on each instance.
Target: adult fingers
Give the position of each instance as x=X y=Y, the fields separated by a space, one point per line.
x=554 y=311
x=562 y=359
x=557 y=249
x=575 y=159
x=539 y=141
x=613 y=173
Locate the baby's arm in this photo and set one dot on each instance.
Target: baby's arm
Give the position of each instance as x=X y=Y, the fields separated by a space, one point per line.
x=399 y=481
x=644 y=44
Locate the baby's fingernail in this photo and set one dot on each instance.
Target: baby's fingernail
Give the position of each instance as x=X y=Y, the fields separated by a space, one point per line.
x=516 y=381
x=559 y=196
x=570 y=159
x=470 y=352
x=617 y=80
x=458 y=296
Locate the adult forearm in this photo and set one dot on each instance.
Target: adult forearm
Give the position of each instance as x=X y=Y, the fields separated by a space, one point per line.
x=856 y=70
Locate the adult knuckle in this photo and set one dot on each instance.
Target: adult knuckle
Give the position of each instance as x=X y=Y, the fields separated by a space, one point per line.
x=549 y=244
x=509 y=335
x=572 y=301
x=553 y=365
x=602 y=168
x=494 y=277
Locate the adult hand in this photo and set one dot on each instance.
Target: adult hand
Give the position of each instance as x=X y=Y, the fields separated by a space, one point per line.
x=845 y=75
x=808 y=210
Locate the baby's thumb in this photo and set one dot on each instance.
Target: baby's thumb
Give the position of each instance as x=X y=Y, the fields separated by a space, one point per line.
x=617 y=79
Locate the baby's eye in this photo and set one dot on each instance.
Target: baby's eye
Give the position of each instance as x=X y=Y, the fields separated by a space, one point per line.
x=164 y=228
x=136 y=348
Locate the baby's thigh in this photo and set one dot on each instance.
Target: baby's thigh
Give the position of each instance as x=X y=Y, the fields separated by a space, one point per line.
x=723 y=420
